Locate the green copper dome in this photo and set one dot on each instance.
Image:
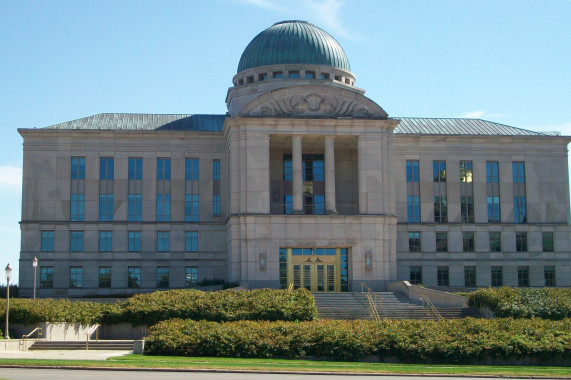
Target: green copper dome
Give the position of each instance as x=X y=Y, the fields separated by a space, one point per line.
x=293 y=42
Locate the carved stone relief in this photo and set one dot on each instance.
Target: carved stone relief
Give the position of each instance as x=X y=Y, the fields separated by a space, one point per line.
x=310 y=105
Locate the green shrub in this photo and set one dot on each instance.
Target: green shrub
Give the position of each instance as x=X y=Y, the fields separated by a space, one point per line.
x=150 y=308
x=27 y=311
x=449 y=341
x=227 y=305
x=547 y=303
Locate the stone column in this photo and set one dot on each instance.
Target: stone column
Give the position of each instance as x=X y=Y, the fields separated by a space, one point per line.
x=297 y=174
x=330 y=207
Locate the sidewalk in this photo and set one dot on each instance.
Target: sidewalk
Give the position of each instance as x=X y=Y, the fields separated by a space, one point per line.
x=63 y=354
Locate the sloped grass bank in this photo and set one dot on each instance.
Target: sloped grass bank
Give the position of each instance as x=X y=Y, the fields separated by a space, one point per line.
x=148 y=309
x=469 y=340
x=547 y=303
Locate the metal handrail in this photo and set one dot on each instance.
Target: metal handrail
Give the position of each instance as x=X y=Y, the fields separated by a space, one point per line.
x=374 y=299
x=27 y=336
x=430 y=307
x=93 y=329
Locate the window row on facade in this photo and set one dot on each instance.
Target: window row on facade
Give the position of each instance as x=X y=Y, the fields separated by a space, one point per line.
x=468 y=242
x=496 y=276
x=135 y=189
x=466 y=176
x=133 y=274
x=76 y=241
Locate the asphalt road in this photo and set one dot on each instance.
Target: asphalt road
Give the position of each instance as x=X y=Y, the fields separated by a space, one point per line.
x=37 y=374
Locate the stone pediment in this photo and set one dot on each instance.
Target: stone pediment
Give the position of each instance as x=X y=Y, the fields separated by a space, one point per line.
x=313 y=101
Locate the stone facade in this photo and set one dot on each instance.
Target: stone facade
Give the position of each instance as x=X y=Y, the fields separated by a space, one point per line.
x=302 y=163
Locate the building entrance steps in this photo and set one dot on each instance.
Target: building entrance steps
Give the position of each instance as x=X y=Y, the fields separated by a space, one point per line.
x=108 y=345
x=356 y=306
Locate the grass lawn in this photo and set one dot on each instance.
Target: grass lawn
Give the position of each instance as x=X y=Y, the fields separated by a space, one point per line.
x=140 y=361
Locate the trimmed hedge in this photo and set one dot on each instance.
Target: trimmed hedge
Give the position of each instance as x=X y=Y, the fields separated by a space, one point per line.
x=27 y=311
x=150 y=308
x=229 y=305
x=547 y=303
x=449 y=341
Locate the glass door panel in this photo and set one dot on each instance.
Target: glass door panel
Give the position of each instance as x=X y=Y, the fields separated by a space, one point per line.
x=320 y=279
x=296 y=277
x=307 y=277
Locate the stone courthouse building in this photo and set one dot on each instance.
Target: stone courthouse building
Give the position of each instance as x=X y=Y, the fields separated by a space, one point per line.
x=304 y=181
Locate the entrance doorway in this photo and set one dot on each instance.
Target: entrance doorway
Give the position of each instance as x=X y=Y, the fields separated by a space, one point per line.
x=316 y=269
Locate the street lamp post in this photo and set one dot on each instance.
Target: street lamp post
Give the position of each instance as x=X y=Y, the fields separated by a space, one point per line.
x=8 y=274
x=35 y=265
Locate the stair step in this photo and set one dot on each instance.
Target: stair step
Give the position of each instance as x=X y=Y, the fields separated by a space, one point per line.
x=122 y=345
x=356 y=306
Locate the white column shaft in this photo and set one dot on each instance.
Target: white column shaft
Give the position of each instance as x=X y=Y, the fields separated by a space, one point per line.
x=297 y=174
x=330 y=207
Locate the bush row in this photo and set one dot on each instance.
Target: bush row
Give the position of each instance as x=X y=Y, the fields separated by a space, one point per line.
x=150 y=308
x=448 y=341
x=547 y=303
x=257 y=304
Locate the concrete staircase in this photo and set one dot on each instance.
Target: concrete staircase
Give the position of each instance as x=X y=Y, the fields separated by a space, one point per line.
x=119 y=345
x=356 y=306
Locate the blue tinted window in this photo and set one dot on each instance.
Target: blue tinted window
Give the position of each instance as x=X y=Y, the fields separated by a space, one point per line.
x=162 y=277
x=191 y=171
x=135 y=168
x=216 y=204
x=191 y=208
x=46 y=277
x=191 y=242
x=134 y=277
x=163 y=241
x=76 y=241
x=518 y=170
x=413 y=209
x=106 y=168
x=288 y=208
x=47 y=241
x=439 y=171
x=75 y=277
x=319 y=204
x=216 y=170
x=164 y=168
x=288 y=173
x=520 y=212
x=134 y=241
x=78 y=168
x=492 y=175
x=105 y=241
x=412 y=171
x=318 y=170
x=77 y=207
x=163 y=207
x=135 y=207
x=105 y=207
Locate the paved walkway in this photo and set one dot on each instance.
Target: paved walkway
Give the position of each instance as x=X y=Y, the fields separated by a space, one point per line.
x=63 y=354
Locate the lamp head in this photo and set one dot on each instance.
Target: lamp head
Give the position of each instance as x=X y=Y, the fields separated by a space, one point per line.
x=8 y=271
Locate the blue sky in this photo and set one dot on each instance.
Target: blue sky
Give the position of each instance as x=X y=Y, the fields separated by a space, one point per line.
x=508 y=61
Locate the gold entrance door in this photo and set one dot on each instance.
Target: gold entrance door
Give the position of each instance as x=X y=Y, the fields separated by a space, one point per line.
x=316 y=269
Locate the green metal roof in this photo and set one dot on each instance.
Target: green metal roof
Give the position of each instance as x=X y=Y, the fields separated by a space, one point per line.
x=293 y=42
x=456 y=126
x=145 y=122
x=214 y=123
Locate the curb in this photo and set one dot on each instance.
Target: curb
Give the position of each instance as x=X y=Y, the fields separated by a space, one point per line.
x=215 y=370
